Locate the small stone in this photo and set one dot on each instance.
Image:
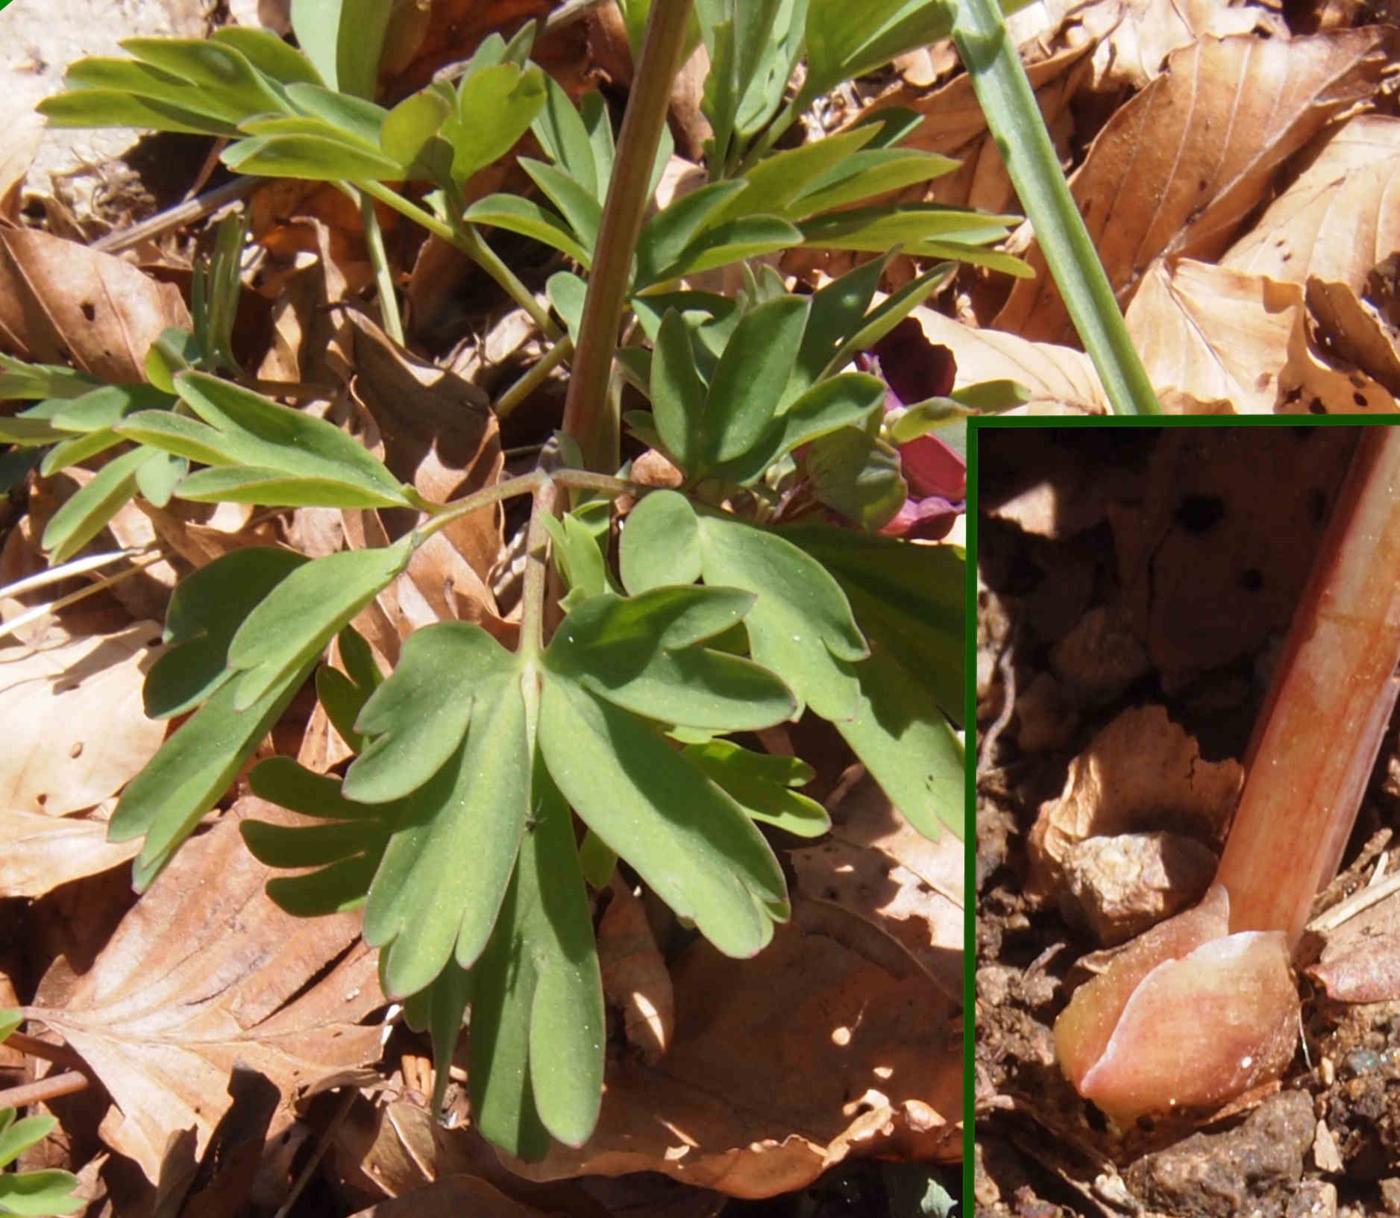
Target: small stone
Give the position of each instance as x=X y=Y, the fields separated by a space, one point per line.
x=1390 y=1195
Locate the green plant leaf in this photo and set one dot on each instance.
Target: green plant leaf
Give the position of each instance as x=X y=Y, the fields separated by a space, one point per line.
x=761 y=784
x=10 y=1021
x=342 y=116
x=157 y=476
x=677 y=392
x=870 y=172
x=134 y=90
x=217 y=70
x=529 y=219
x=640 y=653
x=296 y=620
x=538 y=1032
x=445 y=872
x=801 y=625
x=77 y=449
x=276 y=59
x=731 y=241
x=317 y=158
x=273 y=488
x=846 y=40
x=412 y=126
x=660 y=543
x=247 y=429
x=106 y=406
x=418 y=716
x=192 y=769
x=580 y=560
x=495 y=107
x=683 y=835
x=24 y=382
x=751 y=380
x=30 y=432
x=775 y=182
x=344 y=39
x=857 y=475
x=564 y=135
x=344 y=694
x=669 y=234
x=837 y=403
x=87 y=512
x=206 y=610
x=581 y=211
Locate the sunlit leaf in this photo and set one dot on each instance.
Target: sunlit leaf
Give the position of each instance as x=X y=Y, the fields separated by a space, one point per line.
x=660 y=543
x=87 y=512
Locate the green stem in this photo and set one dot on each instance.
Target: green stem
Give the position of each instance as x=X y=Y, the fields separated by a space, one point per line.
x=469 y=241
x=1009 y=104
x=774 y=132
x=383 y=275
x=526 y=484
x=588 y=418
x=532 y=599
x=533 y=379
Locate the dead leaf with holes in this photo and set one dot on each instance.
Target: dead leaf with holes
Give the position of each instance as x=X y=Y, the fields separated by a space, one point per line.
x=162 y=1017
x=831 y=1043
x=1178 y=168
x=63 y=303
x=1211 y=557
x=877 y=866
x=1213 y=334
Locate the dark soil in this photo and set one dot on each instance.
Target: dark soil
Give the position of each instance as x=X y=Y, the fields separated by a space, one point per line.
x=1194 y=543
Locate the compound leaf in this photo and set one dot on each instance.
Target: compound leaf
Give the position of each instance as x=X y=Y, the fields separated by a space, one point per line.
x=495 y=107
x=751 y=378
x=683 y=835
x=299 y=617
x=677 y=392
x=660 y=543
x=761 y=784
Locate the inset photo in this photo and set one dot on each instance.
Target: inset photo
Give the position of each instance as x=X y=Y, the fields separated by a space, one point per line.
x=1187 y=798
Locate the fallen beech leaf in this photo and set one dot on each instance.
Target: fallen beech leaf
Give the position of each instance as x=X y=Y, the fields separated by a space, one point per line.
x=875 y=865
x=1140 y=773
x=437 y=431
x=75 y=728
x=205 y=972
x=1185 y=1017
x=1177 y=169
x=21 y=143
x=830 y=1042
x=38 y=852
x=1336 y=220
x=635 y=976
x=1142 y=33
x=1054 y=376
x=62 y=303
x=1354 y=331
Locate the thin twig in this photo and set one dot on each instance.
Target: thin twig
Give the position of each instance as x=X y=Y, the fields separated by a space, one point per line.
x=383 y=273
x=45 y=1089
x=56 y=575
x=318 y=1153
x=39 y=611
x=179 y=215
x=32 y=1046
x=532 y=380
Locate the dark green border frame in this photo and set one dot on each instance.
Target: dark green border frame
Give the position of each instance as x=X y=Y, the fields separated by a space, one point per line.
x=975 y=426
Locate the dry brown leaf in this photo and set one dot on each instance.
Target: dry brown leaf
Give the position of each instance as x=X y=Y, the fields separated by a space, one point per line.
x=38 y=852
x=830 y=1043
x=437 y=431
x=1212 y=558
x=878 y=867
x=1142 y=33
x=1338 y=219
x=1178 y=168
x=1139 y=774
x=635 y=978
x=74 y=727
x=205 y=973
x=62 y=303
x=1352 y=330
x=1215 y=334
x=1054 y=376
x=954 y=125
x=21 y=143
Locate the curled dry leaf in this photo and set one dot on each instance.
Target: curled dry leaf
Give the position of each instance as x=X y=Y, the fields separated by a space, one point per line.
x=635 y=977
x=875 y=865
x=1212 y=333
x=1337 y=220
x=1140 y=34
x=1059 y=379
x=1359 y=959
x=1185 y=1016
x=1177 y=169
x=162 y=1017
x=831 y=1042
x=75 y=730
x=1141 y=773
x=63 y=303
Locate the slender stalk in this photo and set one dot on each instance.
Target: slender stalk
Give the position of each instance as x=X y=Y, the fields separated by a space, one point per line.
x=468 y=240
x=45 y=1089
x=383 y=274
x=1321 y=727
x=1009 y=104
x=526 y=484
x=588 y=418
x=532 y=600
x=533 y=379
x=32 y=1046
